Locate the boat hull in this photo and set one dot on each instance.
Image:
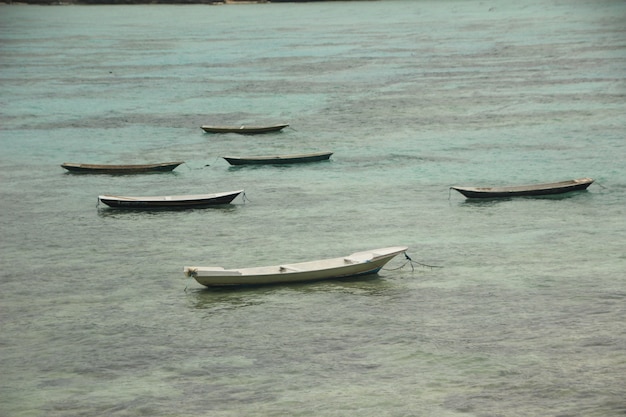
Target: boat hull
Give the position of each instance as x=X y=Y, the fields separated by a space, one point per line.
x=526 y=190
x=278 y=159
x=119 y=169
x=357 y=264
x=169 y=202
x=243 y=130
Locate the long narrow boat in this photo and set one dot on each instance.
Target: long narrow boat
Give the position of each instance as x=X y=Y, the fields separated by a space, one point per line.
x=359 y=263
x=174 y=202
x=244 y=129
x=120 y=169
x=278 y=159
x=525 y=190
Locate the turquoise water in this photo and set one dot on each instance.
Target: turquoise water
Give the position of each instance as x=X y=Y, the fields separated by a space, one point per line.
x=524 y=317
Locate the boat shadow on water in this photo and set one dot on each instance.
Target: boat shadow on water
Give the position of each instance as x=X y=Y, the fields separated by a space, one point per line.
x=121 y=174
x=108 y=212
x=497 y=200
x=234 y=297
x=223 y=299
x=285 y=166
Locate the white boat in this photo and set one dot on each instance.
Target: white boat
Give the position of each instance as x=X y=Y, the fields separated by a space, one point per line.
x=359 y=263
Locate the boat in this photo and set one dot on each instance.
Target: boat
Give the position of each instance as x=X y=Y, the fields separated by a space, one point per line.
x=120 y=169
x=244 y=129
x=359 y=263
x=525 y=190
x=278 y=159
x=169 y=202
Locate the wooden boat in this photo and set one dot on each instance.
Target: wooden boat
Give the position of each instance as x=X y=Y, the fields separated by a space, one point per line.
x=525 y=190
x=278 y=159
x=120 y=169
x=244 y=129
x=169 y=202
x=359 y=263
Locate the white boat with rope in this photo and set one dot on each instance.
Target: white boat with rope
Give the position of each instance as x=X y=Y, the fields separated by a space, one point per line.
x=356 y=264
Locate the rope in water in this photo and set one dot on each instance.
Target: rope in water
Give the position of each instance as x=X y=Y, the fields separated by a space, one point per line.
x=412 y=263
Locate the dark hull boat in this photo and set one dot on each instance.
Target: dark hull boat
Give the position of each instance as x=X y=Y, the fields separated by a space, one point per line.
x=169 y=202
x=243 y=129
x=525 y=190
x=120 y=169
x=278 y=159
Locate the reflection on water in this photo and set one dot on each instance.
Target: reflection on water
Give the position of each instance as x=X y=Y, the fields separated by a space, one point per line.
x=497 y=200
x=120 y=174
x=227 y=298
x=109 y=212
x=221 y=299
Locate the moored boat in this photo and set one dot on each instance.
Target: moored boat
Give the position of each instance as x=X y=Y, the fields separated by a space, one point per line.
x=169 y=202
x=525 y=190
x=356 y=264
x=244 y=129
x=120 y=169
x=278 y=159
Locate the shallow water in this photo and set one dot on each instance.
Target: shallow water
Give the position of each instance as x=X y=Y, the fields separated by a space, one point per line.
x=524 y=314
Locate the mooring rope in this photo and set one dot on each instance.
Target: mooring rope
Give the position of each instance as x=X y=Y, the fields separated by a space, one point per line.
x=188 y=281
x=214 y=161
x=412 y=262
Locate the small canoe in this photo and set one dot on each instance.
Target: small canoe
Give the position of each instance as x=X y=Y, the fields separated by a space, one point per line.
x=169 y=202
x=120 y=169
x=359 y=263
x=278 y=159
x=525 y=190
x=243 y=129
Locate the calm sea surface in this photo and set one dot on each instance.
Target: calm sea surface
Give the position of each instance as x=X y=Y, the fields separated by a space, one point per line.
x=525 y=314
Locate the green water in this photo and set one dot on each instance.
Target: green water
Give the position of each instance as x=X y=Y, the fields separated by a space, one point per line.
x=524 y=317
